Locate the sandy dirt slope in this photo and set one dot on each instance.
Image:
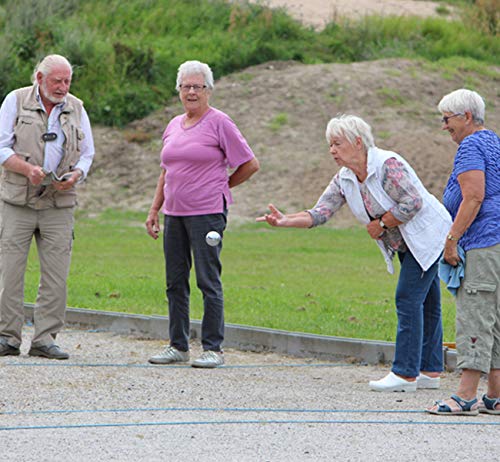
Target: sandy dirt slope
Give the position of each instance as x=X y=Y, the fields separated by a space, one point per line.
x=319 y=12
x=397 y=97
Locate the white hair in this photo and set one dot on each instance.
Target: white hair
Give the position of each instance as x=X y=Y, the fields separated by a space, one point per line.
x=351 y=127
x=195 y=68
x=460 y=101
x=49 y=63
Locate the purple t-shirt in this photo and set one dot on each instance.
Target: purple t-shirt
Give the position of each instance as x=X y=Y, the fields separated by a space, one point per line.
x=196 y=160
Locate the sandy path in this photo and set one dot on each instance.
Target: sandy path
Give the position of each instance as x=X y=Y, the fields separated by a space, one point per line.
x=319 y=12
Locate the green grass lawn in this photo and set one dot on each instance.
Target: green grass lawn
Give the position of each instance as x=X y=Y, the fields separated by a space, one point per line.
x=324 y=281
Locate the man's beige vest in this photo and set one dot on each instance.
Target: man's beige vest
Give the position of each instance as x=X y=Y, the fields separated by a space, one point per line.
x=31 y=124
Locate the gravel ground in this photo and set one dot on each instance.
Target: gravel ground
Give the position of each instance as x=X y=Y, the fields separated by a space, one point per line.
x=107 y=403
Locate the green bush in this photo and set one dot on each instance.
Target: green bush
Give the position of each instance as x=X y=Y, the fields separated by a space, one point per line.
x=126 y=54
x=387 y=37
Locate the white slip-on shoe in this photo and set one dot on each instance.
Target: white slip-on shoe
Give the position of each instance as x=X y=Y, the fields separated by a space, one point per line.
x=391 y=382
x=426 y=382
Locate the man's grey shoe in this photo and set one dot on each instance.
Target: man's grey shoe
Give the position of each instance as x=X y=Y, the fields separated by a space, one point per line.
x=51 y=352
x=209 y=359
x=170 y=355
x=8 y=350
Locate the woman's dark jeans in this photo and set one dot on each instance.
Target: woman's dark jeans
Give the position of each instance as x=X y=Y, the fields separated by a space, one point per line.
x=182 y=237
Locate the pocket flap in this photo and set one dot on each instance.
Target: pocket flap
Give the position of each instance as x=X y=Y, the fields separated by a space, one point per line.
x=15 y=178
x=473 y=287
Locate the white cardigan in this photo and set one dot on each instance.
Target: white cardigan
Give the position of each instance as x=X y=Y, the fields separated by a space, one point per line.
x=424 y=234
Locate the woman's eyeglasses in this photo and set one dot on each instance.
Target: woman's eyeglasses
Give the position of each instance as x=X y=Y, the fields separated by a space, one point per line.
x=196 y=88
x=446 y=118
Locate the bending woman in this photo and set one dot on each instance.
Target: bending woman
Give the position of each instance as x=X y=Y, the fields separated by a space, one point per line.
x=403 y=218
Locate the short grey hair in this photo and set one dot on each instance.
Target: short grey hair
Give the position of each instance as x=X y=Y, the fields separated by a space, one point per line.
x=460 y=101
x=50 y=62
x=351 y=127
x=195 y=68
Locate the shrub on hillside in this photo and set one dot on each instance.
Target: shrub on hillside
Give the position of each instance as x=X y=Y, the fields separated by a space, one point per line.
x=126 y=54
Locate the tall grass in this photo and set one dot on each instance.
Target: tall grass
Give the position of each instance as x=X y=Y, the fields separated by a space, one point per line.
x=376 y=37
x=324 y=281
x=126 y=53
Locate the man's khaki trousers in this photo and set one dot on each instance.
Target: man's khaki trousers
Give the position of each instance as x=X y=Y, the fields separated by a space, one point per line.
x=53 y=232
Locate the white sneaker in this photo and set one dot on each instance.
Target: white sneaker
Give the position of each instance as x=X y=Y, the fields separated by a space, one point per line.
x=424 y=381
x=170 y=355
x=209 y=359
x=391 y=382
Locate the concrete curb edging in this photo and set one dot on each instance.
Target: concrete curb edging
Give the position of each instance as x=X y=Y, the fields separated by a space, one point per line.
x=244 y=338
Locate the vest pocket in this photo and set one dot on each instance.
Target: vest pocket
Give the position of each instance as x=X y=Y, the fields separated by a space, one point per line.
x=65 y=199
x=14 y=188
x=24 y=127
x=79 y=138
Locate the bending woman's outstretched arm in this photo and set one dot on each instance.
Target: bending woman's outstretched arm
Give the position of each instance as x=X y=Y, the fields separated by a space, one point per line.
x=293 y=220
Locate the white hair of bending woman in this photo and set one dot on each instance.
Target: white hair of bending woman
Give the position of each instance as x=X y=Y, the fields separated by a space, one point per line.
x=195 y=68
x=461 y=101
x=351 y=127
x=47 y=64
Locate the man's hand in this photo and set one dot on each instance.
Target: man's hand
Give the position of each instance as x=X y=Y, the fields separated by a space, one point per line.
x=36 y=175
x=69 y=183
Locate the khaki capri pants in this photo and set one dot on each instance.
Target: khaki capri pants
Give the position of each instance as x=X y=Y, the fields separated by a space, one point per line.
x=478 y=311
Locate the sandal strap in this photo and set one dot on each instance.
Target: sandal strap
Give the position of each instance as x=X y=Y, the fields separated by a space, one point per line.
x=463 y=403
x=442 y=406
x=490 y=403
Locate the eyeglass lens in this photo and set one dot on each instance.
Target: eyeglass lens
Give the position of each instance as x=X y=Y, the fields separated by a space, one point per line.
x=194 y=87
x=446 y=118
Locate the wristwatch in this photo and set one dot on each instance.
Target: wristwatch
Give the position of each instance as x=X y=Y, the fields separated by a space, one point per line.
x=451 y=238
x=382 y=224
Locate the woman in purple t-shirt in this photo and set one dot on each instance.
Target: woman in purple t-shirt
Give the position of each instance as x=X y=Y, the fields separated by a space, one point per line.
x=472 y=196
x=193 y=192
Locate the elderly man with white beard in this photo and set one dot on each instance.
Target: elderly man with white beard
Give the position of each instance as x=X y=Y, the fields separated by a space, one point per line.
x=46 y=149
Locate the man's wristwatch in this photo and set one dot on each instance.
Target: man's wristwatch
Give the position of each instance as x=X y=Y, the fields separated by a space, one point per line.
x=382 y=224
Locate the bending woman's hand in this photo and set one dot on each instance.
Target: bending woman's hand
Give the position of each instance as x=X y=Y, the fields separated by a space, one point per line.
x=275 y=218
x=375 y=230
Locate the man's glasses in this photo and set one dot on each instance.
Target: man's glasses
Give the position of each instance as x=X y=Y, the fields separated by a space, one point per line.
x=196 y=88
x=446 y=118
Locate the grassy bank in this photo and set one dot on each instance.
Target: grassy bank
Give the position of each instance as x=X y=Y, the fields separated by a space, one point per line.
x=126 y=54
x=324 y=281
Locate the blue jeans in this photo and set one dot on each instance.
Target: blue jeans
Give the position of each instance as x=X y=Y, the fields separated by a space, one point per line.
x=183 y=235
x=419 y=339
